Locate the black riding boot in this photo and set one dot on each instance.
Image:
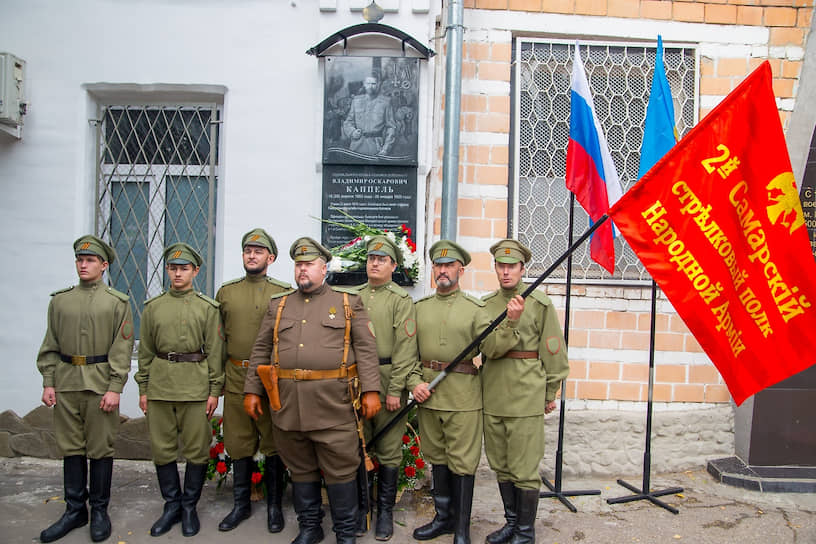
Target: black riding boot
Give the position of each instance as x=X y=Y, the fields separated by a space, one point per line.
x=362 y=514
x=74 y=478
x=241 y=492
x=273 y=477
x=307 y=501
x=508 y=496
x=463 y=500
x=170 y=487
x=386 y=496
x=442 y=523
x=527 y=507
x=344 y=508
x=194 y=476
x=100 y=485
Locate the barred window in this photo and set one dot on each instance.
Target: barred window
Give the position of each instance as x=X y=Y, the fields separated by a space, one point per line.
x=156 y=185
x=620 y=78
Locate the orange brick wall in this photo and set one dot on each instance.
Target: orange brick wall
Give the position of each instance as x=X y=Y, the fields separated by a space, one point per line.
x=683 y=374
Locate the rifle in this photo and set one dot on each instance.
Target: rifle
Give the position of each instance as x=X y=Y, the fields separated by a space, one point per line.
x=366 y=464
x=495 y=323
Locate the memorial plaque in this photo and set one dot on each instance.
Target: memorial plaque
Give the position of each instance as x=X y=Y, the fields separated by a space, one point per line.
x=383 y=197
x=808 y=194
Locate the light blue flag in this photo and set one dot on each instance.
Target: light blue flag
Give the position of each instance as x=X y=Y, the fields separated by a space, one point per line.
x=659 y=134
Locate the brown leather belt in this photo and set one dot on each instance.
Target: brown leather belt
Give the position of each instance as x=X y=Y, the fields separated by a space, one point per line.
x=298 y=374
x=175 y=357
x=82 y=360
x=462 y=368
x=239 y=363
x=520 y=355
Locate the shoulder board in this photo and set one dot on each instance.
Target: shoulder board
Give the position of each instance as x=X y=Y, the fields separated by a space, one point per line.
x=355 y=289
x=118 y=294
x=148 y=301
x=279 y=283
x=62 y=290
x=541 y=297
x=207 y=299
x=350 y=290
x=397 y=290
x=474 y=300
x=489 y=296
x=236 y=280
x=424 y=299
x=282 y=294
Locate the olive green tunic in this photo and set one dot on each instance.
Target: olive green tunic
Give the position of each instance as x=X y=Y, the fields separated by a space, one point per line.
x=392 y=312
x=89 y=319
x=243 y=305
x=516 y=391
x=450 y=420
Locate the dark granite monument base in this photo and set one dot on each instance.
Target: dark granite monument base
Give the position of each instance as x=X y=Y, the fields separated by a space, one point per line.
x=787 y=479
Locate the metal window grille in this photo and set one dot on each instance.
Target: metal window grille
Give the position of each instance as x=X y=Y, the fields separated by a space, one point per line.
x=620 y=78
x=156 y=185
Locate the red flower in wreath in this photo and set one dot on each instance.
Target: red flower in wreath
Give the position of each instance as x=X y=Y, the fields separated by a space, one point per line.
x=410 y=471
x=406 y=439
x=213 y=453
x=256 y=478
x=414 y=451
x=420 y=463
x=219 y=447
x=221 y=467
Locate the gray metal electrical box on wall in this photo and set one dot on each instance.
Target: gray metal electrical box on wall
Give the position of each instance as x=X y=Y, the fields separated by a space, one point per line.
x=12 y=101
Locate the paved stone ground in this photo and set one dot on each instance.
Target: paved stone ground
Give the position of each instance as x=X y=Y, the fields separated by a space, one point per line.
x=31 y=499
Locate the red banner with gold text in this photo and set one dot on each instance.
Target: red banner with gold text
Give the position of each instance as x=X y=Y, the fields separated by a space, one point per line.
x=718 y=224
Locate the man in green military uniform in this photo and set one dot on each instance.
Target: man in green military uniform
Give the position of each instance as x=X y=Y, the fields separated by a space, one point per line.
x=243 y=305
x=450 y=418
x=391 y=310
x=84 y=361
x=321 y=344
x=180 y=377
x=519 y=388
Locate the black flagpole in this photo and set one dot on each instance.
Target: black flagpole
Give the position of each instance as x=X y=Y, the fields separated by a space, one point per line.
x=555 y=489
x=645 y=492
x=495 y=323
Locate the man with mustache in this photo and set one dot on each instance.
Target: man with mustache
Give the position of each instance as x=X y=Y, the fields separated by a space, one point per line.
x=450 y=418
x=321 y=345
x=243 y=305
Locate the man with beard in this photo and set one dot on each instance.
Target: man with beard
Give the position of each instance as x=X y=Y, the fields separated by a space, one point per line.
x=392 y=311
x=84 y=361
x=450 y=418
x=519 y=388
x=243 y=305
x=370 y=124
x=323 y=351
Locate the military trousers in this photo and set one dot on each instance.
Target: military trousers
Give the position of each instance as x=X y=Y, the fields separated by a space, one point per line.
x=167 y=421
x=514 y=448
x=81 y=427
x=335 y=451
x=243 y=435
x=388 y=448
x=451 y=438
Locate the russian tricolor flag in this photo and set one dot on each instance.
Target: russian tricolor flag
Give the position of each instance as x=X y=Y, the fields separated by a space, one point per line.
x=591 y=173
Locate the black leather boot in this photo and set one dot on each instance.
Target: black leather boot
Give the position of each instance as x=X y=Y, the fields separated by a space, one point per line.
x=99 y=497
x=273 y=478
x=344 y=509
x=363 y=515
x=442 y=523
x=463 y=500
x=386 y=496
x=170 y=487
x=241 y=492
x=527 y=507
x=508 y=496
x=74 y=478
x=193 y=484
x=307 y=501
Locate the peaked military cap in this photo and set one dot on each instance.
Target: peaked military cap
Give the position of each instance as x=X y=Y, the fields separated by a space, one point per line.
x=91 y=245
x=181 y=253
x=260 y=238
x=307 y=249
x=510 y=251
x=382 y=245
x=447 y=251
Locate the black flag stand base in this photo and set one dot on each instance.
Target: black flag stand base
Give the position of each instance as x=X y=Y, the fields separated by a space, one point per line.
x=645 y=493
